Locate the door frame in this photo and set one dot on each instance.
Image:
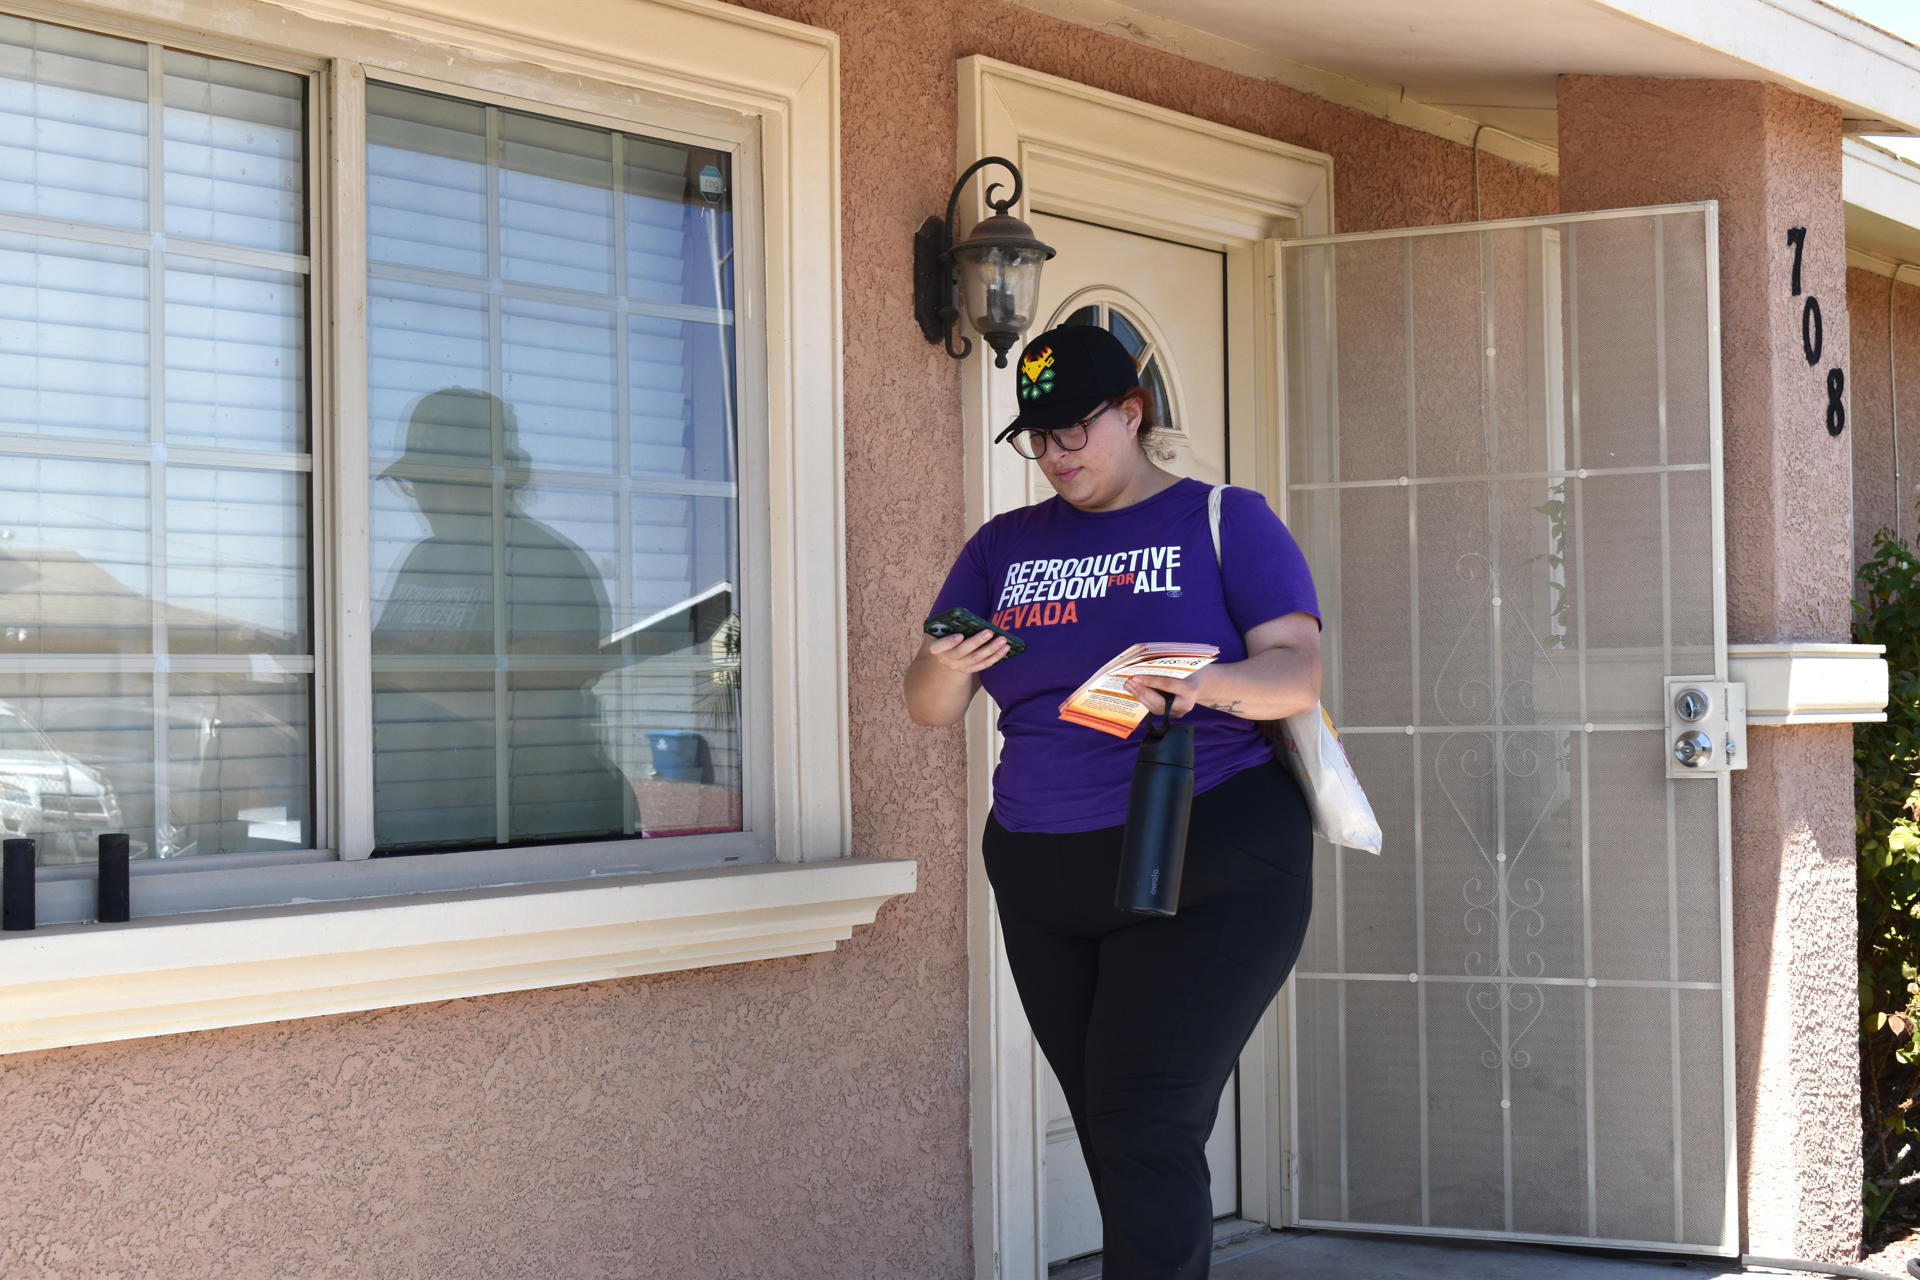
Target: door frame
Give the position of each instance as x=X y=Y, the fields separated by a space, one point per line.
x=1104 y=158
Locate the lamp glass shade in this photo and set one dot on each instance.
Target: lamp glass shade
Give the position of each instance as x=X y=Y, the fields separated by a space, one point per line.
x=999 y=286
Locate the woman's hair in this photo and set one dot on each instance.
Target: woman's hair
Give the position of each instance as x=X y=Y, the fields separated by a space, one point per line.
x=1153 y=432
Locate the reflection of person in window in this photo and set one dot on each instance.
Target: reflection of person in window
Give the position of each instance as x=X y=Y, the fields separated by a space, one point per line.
x=436 y=776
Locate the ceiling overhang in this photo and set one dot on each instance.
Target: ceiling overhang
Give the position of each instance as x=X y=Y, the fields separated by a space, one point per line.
x=1457 y=66
x=1883 y=208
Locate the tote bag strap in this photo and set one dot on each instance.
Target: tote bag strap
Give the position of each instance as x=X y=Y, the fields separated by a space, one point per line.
x=1308 y=745
x=1271 y=730
x=1213 y=523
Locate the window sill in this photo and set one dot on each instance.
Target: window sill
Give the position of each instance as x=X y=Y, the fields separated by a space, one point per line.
x=83 y=984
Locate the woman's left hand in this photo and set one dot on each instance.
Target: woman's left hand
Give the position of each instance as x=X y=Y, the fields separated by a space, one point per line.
x=1279 y=677
x=1152 y=691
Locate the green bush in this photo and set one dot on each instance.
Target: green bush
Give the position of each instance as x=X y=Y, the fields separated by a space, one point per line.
x=1886 y=784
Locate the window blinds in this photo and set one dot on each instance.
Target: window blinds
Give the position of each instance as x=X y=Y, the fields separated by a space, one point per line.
x=551 y=370
x=153 y=424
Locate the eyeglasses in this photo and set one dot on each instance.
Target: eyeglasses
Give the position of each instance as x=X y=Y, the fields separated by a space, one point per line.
x=1032 y=445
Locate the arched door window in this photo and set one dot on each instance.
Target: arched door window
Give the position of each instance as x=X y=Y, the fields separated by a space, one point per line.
x=1135 y=334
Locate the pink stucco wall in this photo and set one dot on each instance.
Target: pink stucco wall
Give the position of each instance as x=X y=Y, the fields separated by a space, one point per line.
x=796 y=1118
x=1875 y=496
x=1772 y=160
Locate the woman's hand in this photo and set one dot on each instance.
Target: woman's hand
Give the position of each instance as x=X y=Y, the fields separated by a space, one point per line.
x=1153 y=691
x=943 y=676
x=968 y=655
x=1279 y=676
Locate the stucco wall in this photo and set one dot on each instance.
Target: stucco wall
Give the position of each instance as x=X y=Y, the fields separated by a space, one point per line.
x=1772 y=160
x=799 y=1118
x=1876 y=498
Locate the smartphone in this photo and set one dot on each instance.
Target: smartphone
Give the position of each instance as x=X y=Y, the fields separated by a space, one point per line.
x=958 y=621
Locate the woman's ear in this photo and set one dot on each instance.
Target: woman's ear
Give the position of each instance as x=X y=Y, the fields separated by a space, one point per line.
x=1130 y=414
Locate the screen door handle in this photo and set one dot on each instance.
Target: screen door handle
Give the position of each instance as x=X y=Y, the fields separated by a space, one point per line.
x=1693 y=748
x=1706 y=726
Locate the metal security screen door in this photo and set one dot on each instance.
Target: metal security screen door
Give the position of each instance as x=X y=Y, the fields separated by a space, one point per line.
x=1505 y=468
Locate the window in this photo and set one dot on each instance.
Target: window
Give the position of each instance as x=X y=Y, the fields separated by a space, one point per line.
x=1146 y=360
x=556 y=635
x=156 y=659
x=569 y=547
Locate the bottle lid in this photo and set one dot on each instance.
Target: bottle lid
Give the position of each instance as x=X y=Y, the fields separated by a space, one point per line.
x=1168 y=745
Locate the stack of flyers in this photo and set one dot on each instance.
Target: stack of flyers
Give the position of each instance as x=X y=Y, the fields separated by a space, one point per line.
x=1103 y=702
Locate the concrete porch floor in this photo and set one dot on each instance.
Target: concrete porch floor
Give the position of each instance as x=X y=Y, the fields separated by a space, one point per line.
x=1244 y=1251
x=1291 y=1255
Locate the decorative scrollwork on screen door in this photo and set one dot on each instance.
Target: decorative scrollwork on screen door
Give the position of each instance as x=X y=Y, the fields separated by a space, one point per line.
x=1504 y=906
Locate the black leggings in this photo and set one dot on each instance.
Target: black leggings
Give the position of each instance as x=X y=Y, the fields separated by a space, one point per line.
x=1143 y=1017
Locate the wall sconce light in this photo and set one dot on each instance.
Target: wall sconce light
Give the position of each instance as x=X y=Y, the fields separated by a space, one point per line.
x=992 y=278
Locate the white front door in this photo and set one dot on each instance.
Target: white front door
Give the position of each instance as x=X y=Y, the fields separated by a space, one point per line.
x=1149 y=191
x=1166 y=303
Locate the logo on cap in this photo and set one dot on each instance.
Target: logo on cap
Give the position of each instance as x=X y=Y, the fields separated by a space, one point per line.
x=1036 y=374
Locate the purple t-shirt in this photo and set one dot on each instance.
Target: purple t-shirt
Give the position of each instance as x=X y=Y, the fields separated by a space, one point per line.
x=1080 y=586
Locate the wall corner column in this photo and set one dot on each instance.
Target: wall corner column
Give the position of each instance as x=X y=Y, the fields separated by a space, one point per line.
x=1771 y=158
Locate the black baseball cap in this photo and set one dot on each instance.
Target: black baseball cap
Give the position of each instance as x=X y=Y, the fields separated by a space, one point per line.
x=1065 y=374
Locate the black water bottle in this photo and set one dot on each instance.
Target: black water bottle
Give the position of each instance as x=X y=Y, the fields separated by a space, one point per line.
x=1155 y=845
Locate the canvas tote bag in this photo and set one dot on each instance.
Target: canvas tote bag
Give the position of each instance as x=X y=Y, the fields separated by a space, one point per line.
x=1310 y=747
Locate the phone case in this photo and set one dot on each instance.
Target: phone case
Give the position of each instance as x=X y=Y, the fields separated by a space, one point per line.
x=963 y=621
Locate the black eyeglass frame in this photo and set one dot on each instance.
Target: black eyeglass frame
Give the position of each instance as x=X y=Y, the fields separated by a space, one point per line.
x=1055 y=434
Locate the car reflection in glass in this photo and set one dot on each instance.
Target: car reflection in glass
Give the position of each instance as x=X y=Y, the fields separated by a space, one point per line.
x=234 y=769
x=49 y=795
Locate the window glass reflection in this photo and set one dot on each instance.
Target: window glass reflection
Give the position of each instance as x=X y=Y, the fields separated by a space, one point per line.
x=76 y=759
x=1157 y=388
x=555 y=551
x=77 y=753
x=154 y=563
x=1130 y=337
x=526 y=688
x=78 y=103
x=235 y=153
x=74 y=364
x=556 y=203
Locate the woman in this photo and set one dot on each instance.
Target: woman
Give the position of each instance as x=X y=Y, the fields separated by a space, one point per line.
x=1142 y=1017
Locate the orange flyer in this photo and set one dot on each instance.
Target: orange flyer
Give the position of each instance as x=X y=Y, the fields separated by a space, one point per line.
x=1103 y=702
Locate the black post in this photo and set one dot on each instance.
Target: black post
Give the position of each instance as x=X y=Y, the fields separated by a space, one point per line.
x=16 y=885
x=116 y=890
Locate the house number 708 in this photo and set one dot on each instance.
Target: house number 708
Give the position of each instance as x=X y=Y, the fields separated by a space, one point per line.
x=1813 y=338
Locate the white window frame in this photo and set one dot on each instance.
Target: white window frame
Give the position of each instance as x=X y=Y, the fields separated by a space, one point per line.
x=247 y=938
x=350 y=760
